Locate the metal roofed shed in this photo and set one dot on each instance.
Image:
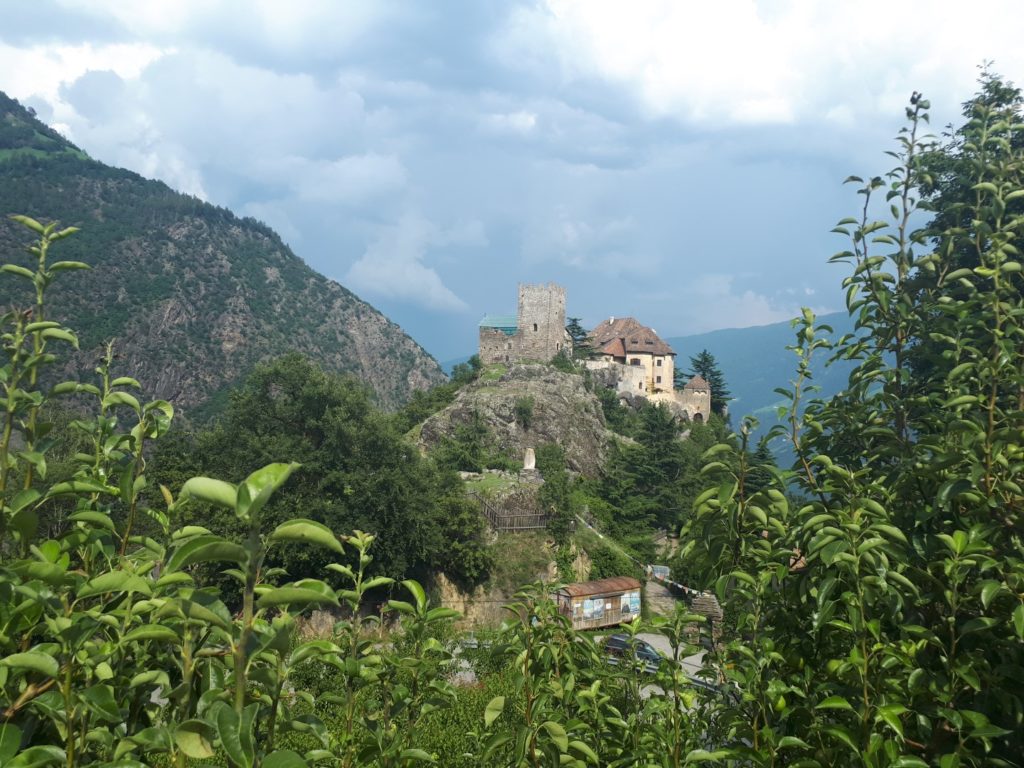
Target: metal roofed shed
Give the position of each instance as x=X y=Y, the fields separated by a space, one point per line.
x=507 y=324
x=601 y=603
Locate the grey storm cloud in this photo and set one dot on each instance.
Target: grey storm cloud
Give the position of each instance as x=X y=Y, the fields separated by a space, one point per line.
x=431 y=155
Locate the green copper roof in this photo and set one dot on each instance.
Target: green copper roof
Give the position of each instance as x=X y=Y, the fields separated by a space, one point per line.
x=507 y=323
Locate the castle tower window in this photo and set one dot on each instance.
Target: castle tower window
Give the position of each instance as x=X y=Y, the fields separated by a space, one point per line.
x=640 y=385
x=534 y=326
x=658 y=363
x=635 y=361
x=658 y=379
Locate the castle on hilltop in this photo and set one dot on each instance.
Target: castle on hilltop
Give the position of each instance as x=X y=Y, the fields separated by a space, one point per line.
x=632 y=357
x=535 y=334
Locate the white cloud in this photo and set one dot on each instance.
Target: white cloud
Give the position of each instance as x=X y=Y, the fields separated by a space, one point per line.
x=41 y=70
x=393 y=267
x=714 y=301
x=520 y=122
x=294 y=29
x=353 y=179
x=748 y=62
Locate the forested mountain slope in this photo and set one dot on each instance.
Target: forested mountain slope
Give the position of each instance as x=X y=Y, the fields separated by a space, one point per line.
x=755 y=362
x=193 y=295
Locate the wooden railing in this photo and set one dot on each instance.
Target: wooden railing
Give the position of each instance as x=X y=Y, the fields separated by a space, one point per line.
x=502 y=521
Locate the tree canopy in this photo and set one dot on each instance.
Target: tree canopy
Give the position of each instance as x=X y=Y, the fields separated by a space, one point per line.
x=704 y=364
x=357 y=472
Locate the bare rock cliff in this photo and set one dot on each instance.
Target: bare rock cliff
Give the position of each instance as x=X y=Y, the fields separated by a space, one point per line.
x=563 y=412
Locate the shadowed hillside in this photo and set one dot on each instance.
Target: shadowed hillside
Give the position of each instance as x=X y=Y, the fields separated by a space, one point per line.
x=193 y=295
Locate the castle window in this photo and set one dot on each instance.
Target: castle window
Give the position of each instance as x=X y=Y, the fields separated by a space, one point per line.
x=534 y=326
x=658 y=379
x=558 y=345
x=510 y=345
x=635 y=361
x=640 y=385
x=658 y=363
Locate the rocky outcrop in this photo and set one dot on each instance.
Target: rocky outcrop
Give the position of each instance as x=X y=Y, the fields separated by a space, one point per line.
x=561 y=410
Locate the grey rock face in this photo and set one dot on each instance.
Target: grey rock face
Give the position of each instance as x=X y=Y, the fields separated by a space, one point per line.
x=563 y=412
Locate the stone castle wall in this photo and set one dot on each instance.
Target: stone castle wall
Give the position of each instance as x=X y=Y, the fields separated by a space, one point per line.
x=541 y=321
x=541 y=330
x=496 y=346
x=632 y=380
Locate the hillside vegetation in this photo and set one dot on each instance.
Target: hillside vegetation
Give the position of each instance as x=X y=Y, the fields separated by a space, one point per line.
x=873 y=594
x=193 y=295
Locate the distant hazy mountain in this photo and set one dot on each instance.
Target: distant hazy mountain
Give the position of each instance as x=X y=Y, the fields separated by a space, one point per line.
x=755 y=361
x=193 y=295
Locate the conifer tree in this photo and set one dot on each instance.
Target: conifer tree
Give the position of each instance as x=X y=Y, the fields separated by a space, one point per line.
x=705 y=365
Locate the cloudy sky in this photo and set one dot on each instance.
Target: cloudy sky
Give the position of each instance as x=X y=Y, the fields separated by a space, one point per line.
x=674 y=160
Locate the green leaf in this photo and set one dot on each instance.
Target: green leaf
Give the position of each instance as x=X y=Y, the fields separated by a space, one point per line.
x=834 y=702
x=58 y=266
x=61 y=335
x=843 y=734
x=99 y=519
x=151 y=632
x=122 y=398
x=23 y=498
x=228 y=725
x=115 y=581
x=257 y=488
x=417 y=754
x=14 y=269
x=1018 y=620
x=309 y=531
x=557 y=734
x=10 y=741
x=195 y=739
x=29 y=222
x=283 y=758
x=493 y=710
x=891 y=715
x=586 y=751
x=211 y=491
x=793 y=741
x=80 y=486
x=34 y=661
x=37 y=757
x=417 y=592
x=703 y=756
x=125 y=381
x=100 y=701
x=292 y=594
x=206 y=549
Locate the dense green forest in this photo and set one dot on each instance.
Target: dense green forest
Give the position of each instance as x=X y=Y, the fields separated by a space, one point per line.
x=874 y=592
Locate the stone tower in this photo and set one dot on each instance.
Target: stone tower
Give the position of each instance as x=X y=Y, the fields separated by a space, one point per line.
x=541 y=321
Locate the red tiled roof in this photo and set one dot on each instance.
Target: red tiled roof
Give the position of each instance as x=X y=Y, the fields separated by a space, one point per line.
x=697 y=382
x=634 y=338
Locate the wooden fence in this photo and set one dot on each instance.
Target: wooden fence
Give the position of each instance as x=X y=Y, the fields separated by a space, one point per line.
x=502 y=520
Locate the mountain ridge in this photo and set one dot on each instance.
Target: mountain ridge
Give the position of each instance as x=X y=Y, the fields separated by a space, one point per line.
x=194 y=295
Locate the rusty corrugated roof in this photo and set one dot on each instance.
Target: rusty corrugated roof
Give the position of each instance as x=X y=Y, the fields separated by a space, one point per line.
x=616 y=584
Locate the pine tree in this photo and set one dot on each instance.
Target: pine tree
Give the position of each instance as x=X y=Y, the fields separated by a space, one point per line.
x=581 y=349
x=704 y=365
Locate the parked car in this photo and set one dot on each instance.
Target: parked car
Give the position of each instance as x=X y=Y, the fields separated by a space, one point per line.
x=621 y=646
